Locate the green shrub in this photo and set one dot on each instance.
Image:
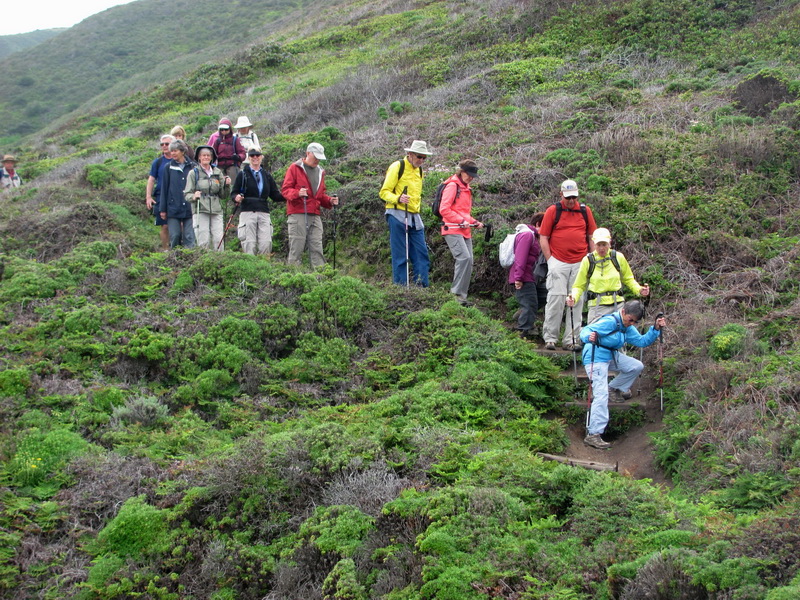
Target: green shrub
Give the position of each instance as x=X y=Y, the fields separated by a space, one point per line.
x=14 y=382
x=728 y=342
x=137 y=529
x=339 y=529
x=103 y=175
x=345 y=300
x=42 y=454
x=342 y=583
x=149 y=345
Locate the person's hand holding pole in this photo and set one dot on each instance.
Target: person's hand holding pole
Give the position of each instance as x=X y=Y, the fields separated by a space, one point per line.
x=570 y=301
x=645 y=291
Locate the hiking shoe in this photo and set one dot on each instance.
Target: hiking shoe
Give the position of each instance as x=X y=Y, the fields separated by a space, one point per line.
x=576 y=347
x=550 y=346
x=620 y=396
x=595 y=441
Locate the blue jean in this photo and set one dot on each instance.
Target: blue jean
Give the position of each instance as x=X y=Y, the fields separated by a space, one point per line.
x=417 y=253
x=628 y=368
x=181 y=232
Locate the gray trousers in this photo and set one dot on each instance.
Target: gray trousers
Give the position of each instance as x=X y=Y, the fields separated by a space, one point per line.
x=461 y=248
x=255 y=232
x=595 y=312
x=560 y=279
x=298 y=238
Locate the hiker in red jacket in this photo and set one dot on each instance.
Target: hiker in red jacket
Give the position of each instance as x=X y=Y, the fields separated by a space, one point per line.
x=456 y=210
x=304 y=190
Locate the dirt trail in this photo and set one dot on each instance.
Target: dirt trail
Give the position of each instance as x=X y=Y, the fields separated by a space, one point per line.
x=633 y=450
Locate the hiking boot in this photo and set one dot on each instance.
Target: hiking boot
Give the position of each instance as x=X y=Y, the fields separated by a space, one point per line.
x=550 y=346
x=620 y=396
x=595 y=441
x=576 y=347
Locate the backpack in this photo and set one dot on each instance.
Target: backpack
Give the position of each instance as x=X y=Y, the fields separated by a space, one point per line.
x=593 y=263
x=507 y=246
x=560 y=209
x=233 y=157
x=437 y=198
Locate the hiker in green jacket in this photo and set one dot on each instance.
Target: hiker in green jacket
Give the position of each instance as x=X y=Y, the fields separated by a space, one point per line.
x=606 y=271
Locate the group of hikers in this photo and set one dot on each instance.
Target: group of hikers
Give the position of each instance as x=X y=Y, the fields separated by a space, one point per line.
x=561 y=259
x=186 y=190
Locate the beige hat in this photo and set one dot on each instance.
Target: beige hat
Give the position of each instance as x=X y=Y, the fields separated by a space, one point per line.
x=601 y=234
x=242 y=122
x=9 y=158
x=317 y=150
x=569 y=188
x=419 y=147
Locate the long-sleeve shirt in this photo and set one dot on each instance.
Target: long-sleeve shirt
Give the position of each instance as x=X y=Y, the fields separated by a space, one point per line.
x=611 y=336
x=605 y=278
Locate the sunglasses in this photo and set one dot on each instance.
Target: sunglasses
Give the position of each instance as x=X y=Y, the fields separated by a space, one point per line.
x=165 y=143
x=421 y=156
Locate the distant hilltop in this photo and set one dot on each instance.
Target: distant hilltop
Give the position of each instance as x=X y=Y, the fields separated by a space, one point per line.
x=9 y=44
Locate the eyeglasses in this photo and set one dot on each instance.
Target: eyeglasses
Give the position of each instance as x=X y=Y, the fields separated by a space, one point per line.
x=165 y=143
x=421 y=156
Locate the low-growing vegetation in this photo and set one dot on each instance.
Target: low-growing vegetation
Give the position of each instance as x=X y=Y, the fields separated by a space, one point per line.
x=197 y=424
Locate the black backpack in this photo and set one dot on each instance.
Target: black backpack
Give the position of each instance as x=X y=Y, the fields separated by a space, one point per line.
x=593 y=263
x=582 y=210
x=437 y=198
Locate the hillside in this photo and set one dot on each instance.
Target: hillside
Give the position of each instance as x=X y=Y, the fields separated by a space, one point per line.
x=191 y=424
x=23 y=41
x=129 y=47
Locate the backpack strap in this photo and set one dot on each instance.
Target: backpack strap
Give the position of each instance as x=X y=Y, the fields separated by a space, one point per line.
x=592 y=264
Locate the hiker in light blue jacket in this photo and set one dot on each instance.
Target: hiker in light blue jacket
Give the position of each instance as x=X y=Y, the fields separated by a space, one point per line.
x=603 y=340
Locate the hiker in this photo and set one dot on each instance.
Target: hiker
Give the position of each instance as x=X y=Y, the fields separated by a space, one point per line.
x=206 y=185
x=9 y=178
x=248 y=137
x=564 y=238
x=456 y=207
x=606 y=271
x=172 y=205
x=153 y=190
x=304 y=190
x=251 y=191
x=402 y=193
x=230 y=152
x=601 y=352
x=526 y=252
x=179 y=133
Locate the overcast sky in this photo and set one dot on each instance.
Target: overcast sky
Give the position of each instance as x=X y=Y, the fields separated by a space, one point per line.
x=21 y=16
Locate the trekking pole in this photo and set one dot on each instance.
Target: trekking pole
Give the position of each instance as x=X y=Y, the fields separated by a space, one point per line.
x=589 y=393
x=405 y=190
x=334 y=237
x=574 y=357
x=661 y=362
x=641 y=349
x=305 y=214
x=228 y=226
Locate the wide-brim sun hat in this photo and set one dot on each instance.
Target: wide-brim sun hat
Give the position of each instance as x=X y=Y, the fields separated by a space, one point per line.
x=242 y=122
x=419 y=147
x=213 y=152
x=9 y=158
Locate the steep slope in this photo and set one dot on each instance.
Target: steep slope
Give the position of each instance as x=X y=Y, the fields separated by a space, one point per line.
x=214 y=425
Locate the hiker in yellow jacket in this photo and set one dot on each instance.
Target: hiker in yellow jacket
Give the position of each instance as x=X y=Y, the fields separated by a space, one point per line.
x=402 y=193
x=606 y=270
